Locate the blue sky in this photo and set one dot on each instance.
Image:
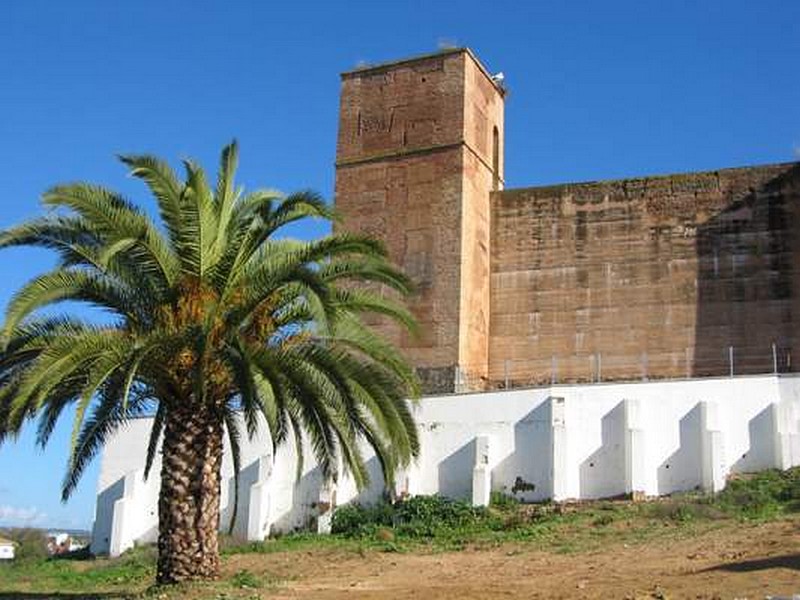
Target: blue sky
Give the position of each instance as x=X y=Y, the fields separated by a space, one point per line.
x=598 y=90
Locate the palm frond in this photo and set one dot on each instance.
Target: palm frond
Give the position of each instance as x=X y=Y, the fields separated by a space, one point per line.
x=212 y=313
x=113 y=218
x=295 y=207
x=226 y=196
x=71 y=237
x=155 y=437
x=69 y=356
x=199 y=223
x=77 y=285
x=164 y=185
x=107 y=415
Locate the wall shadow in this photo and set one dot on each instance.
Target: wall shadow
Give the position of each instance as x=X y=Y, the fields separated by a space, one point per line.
x=376 y=489
x=760 y=454
x=455 y=473
x=304 y=498
x=602 y=474
x=682 y=470
x=247 y=478
x=104 y=515
x=748 y=276
x=526 y=472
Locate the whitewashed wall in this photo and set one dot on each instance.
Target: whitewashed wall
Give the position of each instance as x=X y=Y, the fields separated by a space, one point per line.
x=560 y=442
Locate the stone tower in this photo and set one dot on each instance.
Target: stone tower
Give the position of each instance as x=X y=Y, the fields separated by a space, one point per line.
x=420 y=149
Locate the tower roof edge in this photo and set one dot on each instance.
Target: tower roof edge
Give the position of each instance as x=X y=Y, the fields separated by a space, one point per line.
x=372 y=68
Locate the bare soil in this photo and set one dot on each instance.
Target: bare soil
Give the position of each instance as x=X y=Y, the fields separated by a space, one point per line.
x=745 y=561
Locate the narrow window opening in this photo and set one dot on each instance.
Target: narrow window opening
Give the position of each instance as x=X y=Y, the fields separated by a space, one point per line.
x=495 y=159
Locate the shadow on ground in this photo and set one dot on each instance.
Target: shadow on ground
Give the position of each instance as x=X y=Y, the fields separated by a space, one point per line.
x=787 y=561
x=62 y=595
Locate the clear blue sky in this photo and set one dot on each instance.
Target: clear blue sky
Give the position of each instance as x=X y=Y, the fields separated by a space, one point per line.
x=598 y=90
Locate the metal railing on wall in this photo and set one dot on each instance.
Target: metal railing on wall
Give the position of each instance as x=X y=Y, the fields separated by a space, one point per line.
x=728 y=361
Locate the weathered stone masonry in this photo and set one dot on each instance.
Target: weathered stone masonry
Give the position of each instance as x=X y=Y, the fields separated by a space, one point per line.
x=651 y=277
x=664 y=274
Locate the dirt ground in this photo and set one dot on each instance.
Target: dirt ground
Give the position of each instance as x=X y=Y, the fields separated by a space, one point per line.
x=750 y=561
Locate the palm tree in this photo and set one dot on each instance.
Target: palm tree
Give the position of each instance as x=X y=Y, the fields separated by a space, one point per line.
x=215 y=326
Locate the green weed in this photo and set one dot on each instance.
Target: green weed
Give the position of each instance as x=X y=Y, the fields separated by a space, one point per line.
x=435 y=524
x=245 y=579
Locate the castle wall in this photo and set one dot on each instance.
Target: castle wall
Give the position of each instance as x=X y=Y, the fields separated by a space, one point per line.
x=652 y=277
x=655 y=277
x=415 y=158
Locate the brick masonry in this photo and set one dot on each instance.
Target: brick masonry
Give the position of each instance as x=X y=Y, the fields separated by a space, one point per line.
x=655 y=276
x=658 y=276
x=416 y=162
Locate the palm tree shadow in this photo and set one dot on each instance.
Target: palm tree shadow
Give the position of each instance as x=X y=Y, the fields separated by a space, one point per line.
x=786 y=561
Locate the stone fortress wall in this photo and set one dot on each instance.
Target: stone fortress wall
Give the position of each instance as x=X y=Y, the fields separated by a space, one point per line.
x=655 y=277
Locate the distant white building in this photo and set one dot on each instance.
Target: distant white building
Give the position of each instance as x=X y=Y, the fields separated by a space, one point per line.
x=62 y=543
x=6 y=549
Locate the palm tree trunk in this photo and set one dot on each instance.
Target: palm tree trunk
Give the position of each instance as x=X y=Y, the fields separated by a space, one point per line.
x=188 y=506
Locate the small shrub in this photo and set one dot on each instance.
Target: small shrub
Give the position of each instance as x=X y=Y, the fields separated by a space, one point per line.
x=762 y=495
x=31 y=544
x=244 y=579
x=603 y=520
x=683 y=513
x=503 y=501
x=513 y=520
x=81 y=554
x=424 y=516
x=415 y=517
x=355 y=520
x=390 y=547
x=678 y=510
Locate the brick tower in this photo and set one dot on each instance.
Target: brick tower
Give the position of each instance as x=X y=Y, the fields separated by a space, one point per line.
x=419 y=151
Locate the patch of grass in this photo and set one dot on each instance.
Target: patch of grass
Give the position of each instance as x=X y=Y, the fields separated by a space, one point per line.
x=245 y=579
x=297 y=542
x=435 y=523
x=762 y=495
x=603 y=520
x=129 y=576
x=752 y=497
x=428 y=524
x=685 y=509
x=416 y=517
x=502 y=501
x=131 y=572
